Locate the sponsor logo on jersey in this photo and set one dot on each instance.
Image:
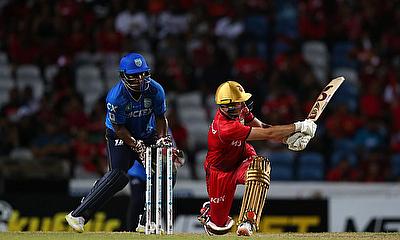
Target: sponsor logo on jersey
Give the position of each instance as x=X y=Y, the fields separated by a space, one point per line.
x=118 y=142
x=111 y=108
x=217 y=199
x=147 y=102
x=140 y=113
x=135 y=111
x=128 y=108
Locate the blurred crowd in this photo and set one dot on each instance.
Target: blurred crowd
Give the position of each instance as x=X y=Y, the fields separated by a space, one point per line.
x=283 y=51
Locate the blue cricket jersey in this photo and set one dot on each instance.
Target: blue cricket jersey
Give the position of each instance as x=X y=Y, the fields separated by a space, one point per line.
x=137 y=116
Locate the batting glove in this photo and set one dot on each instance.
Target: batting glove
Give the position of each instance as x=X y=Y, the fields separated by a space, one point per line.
x=298 y=141
x=307 y=127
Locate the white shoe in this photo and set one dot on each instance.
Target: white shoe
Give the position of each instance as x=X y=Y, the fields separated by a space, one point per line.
x=203 y=217
x=245 y=229
x=76 y=223
x=142 y=228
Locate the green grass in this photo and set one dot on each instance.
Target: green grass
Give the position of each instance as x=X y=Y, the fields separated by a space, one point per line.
x=191 y=236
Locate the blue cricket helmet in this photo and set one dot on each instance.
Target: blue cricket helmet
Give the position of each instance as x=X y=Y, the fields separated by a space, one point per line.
x=134 y=72
x=133 y=63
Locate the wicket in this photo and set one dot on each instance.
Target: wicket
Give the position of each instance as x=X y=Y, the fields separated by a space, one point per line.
x=160 y=159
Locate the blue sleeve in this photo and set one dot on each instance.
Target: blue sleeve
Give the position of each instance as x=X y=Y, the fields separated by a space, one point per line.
x=115 y=110
x=160 y=106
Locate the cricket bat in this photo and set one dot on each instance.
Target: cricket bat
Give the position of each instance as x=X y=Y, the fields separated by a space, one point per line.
x=323 y=98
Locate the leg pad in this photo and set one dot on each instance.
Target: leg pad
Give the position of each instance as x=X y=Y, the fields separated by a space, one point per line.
x=256 y=189
x=103 y=190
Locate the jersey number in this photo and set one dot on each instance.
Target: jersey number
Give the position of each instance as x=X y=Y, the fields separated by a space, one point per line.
x=236 y=143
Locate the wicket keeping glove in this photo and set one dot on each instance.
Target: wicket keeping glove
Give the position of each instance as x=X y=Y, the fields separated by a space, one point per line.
x=164 y=141
x=140 y=149
x=307 y=127
x=178 y=158
x=298 y=141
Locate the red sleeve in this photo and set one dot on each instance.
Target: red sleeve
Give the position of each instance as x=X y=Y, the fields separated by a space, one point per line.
x=234 y=131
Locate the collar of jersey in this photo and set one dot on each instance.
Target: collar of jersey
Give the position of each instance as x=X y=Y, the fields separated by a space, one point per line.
x=130 y=94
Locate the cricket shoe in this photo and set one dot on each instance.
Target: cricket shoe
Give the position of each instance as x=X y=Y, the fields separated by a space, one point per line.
x=203 y=217
x=141 y=228
x=76 y=223
x=245 y=229
x=211 y=228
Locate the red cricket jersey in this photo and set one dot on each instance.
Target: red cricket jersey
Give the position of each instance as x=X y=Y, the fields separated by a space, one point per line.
x=226 y=143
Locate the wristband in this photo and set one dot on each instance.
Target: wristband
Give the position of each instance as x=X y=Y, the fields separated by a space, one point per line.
x=249 y=117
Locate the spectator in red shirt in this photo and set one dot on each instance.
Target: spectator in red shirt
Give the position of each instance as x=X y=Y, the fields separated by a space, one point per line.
x=23 y=45
x=279 y=106
x=371 y=102
x=312 y=20
x=395 y=141
x=85 y=153
x=341 y=123
x=343 y=172
x=395 y=113
x=78 y=40
x=108 y=40
x=74 y=114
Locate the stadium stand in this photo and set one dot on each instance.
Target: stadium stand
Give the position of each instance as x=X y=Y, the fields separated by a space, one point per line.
x=282 y=52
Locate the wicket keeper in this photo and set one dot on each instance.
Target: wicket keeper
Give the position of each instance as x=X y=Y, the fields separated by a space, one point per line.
x=135 y=118
x=231 y=160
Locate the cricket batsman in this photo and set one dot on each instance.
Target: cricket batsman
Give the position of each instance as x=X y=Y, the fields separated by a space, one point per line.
x=231 y=160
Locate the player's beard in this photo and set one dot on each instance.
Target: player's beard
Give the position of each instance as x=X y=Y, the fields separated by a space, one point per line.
x=232 y=114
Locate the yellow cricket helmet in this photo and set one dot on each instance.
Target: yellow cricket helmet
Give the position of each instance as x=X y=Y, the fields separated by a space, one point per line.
x=231 y=92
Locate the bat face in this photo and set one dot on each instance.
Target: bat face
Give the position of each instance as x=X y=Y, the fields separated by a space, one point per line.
x=324 y=97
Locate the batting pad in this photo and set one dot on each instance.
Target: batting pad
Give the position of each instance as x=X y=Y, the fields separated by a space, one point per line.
x=256 y=189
